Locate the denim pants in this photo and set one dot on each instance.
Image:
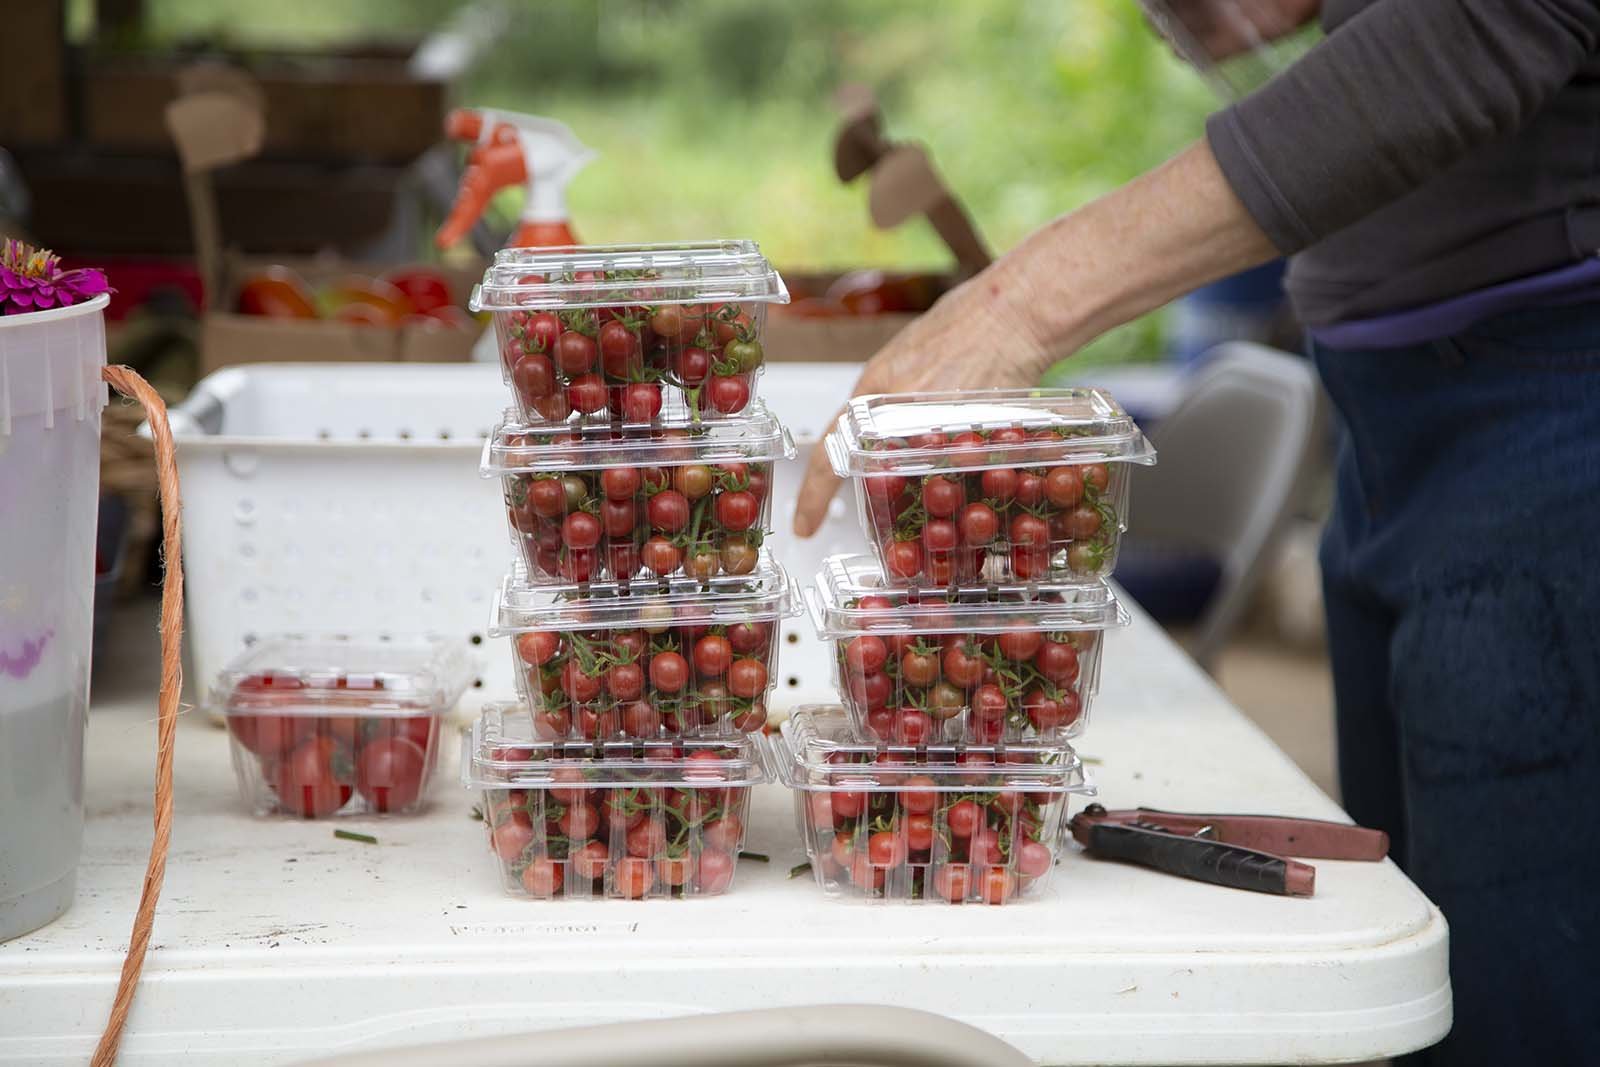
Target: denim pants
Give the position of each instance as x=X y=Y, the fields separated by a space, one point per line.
x=1461 y=568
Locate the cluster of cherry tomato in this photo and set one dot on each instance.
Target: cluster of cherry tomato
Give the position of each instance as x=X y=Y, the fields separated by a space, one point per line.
x=913 y=688
x=592 y=835
x=680 y=679
x=912 y=840
x=620 y=522
x=313 y=766
x=616 y=359
x=1038 y=522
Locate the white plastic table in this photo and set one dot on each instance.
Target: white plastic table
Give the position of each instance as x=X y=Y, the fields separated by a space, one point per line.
x=275 y=941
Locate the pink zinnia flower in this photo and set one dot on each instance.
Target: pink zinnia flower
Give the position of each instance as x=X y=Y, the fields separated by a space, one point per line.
x=31 y=279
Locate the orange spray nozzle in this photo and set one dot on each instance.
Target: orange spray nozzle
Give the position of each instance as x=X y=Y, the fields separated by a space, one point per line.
x=490 y=168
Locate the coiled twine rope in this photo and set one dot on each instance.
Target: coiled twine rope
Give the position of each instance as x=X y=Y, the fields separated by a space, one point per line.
x=128 y=383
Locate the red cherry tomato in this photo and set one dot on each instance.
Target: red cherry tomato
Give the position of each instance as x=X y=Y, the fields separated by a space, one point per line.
x=669 y=672
x=579 y=821
x=1057 y=661
x=996 y=885
x=580 y=530
x=999 y=484
x=903 y=559
x=940 y=535
x=538 y=647
x=1096 y=476
x=633 y=877
x=917 y=795
x=1082 y=522
x=692 y=366
x=712 y=655
x=542 y=332
x=389 y=773
x=962 y=665
x=576 y=684
x=865 y=654
x=511 y=838
x=1063 y=486
x=314 y=779
x=737 y=510
x=574 y=353
x=728 y=394
x=1021 y=644
x=620 y=483
x=963 y=818
x=641 y=401
x=1034 y=860
x=942 y=497
x=1030 y=489
x=919 y=832
x=589 y=862
x=617 y=517
x=715 y=872
x=979 y=524
x=746 y=637
x=534 y=377
x=953 y=882
x=269 y=735
x=747 y=678
x=1029 y=530
x=660 y=556
x=724 y=833
x=668 y=511
x=587 y=393
x=542 y=877
x=625 y=681
x=989 y=703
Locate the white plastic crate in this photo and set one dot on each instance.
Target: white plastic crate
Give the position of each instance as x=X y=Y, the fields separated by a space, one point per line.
x=345 y=498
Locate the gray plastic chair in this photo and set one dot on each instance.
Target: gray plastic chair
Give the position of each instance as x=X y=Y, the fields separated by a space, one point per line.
x=857 y=1034
x=1231 y=456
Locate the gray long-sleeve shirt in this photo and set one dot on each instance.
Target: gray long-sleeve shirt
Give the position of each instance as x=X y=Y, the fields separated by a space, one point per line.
x=1426 y=148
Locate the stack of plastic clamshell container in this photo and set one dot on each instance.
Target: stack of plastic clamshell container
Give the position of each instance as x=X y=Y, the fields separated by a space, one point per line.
x=968 y=642
x=642 y=608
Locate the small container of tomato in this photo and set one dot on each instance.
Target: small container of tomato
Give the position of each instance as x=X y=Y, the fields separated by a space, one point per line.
x=627 y=333
x=602 y=503
x=986 y=664
x=1005 y=485
x=628 y=820
x=932 y=822
x=334 y=727
x=672 y=657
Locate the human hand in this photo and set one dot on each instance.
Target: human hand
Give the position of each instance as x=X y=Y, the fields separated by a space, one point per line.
x=972 y=338
x=1222 y=29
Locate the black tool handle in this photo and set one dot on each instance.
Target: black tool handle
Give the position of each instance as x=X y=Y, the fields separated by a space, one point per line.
x=1201 y=860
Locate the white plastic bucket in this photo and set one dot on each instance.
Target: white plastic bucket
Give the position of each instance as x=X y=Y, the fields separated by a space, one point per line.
x=51 y=395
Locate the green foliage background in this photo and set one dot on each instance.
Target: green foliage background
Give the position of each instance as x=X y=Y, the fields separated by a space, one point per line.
x=713 y=117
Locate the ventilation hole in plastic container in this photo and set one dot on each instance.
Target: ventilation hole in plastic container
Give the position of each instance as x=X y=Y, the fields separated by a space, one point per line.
x=792 y=637
x=249 y=639
x=324 y=435
x=247 y=550
x=793 y=682
x=476 y=639
x=444 y=435
x=248 y=595
x=405 y=435
x=427 y=596
x=477 y=683
x=363 y=434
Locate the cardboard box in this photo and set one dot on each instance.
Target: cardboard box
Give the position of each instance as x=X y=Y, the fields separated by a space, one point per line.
x=349 y=104
x=228 y=338
x=221 y=125
x=33 y=81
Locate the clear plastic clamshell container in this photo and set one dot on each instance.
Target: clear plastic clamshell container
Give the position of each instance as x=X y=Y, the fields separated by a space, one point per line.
x=1008 y=485
x=666 y=658
x=937 y=822
x=622 y=819
x=630 y=332
x=987 y=664
x=323 y=727
x=598 y=503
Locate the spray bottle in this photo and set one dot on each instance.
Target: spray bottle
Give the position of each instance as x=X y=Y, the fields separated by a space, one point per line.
x=509 y=147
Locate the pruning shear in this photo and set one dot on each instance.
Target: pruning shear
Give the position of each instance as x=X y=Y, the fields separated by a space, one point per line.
x=1238 y=851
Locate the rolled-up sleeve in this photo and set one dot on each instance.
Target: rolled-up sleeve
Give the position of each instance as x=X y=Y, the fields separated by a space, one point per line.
x=1391 y=98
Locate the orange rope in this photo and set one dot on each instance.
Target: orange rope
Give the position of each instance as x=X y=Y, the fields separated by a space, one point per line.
x=125 y=381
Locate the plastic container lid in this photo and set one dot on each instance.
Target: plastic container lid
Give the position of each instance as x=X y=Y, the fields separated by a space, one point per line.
x=766 y=593
x=844 y=580
x=754 y=436
x=305 y=675
x=504 y=753
x=702 y=272
x=819 y=751
x=873 y=435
